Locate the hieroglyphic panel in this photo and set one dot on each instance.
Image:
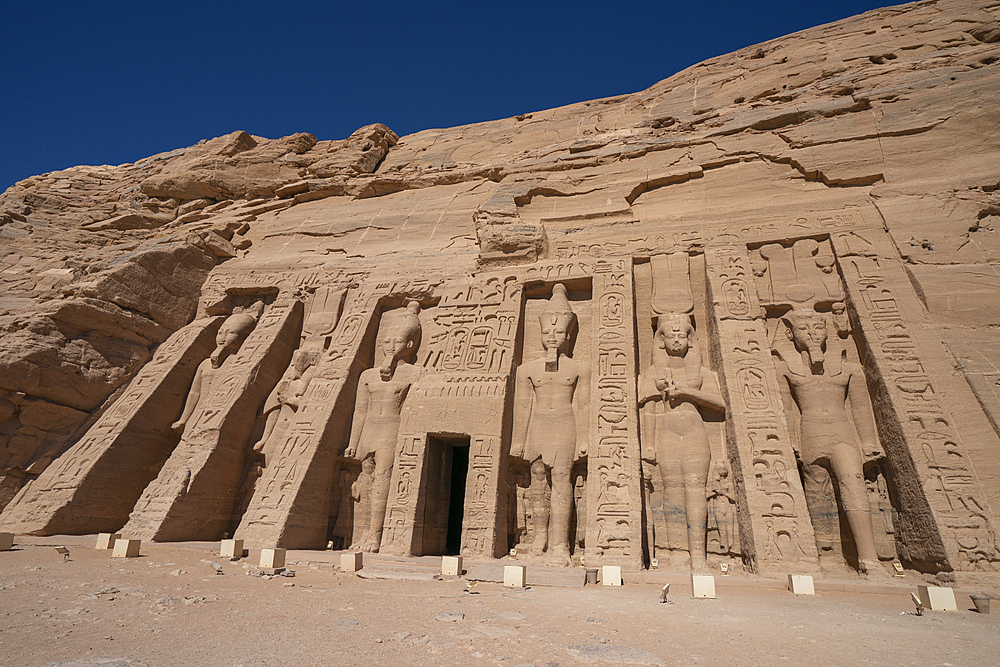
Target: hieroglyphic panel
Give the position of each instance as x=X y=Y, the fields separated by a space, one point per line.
x=915 y=415
x=402 y=510
x=774 y=521
x=290 y=504
x=93 y=486
x=614 y=530
x=479 y=529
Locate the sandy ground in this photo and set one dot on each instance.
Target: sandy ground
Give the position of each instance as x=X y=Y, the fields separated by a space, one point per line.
x=168 y=607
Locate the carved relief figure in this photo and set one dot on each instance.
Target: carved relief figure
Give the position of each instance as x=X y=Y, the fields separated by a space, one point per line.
x=283 y=403
x=836 y=428
x=722 y=508
x=672 y=391
x=381 y=393
x=552 y=400
x=231 y=335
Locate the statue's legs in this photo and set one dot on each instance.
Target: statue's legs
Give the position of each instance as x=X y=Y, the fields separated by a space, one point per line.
x=384 y=459
x=823 y=511
x=562 y=507
x=674 y=512
x=695 y=472
x=539 y=506
x=847 y=468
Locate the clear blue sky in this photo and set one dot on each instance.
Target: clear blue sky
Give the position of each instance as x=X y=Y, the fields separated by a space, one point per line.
x=112 y=82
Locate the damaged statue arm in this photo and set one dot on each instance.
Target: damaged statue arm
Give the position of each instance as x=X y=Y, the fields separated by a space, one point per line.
x=523 y=395
x=708 y=396
x=192 y=401
x=360 y=413
x=582 y=411
x=860 y=407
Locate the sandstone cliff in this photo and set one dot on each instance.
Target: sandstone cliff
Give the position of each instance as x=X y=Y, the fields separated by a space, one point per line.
x=889 y=120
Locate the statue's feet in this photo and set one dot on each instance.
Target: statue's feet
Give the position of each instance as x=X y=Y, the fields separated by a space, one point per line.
x=371 y=545
x=537 y=548
x=700 y=566
x=559 y=557
x=870 y=567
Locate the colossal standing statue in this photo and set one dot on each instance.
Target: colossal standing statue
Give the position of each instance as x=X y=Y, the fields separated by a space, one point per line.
x=671 y=393
x=829 y=390
x=552 y=400
x=381 y=393
x=231 y=335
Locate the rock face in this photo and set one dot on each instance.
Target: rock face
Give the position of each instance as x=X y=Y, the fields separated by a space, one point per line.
x=781 y=267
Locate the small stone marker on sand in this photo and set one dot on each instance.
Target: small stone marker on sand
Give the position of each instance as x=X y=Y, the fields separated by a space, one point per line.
x=513 y=576
x=231 y=549
x=801 y=584
x=451 y=566
x=6 y=541
x=352 y=561
x=107 y=540
x=703 y=586
x=937 y=598
x=272 y=558
x=611 y=575
x=126 y=548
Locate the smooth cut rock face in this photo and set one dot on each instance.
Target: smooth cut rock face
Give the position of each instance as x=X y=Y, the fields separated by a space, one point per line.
x=745 y=317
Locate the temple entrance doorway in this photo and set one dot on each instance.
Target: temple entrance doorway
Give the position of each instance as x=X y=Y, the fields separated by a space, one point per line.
x=444 y=504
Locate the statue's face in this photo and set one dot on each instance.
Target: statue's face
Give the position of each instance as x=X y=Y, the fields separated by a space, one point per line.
x=674 y=340
x=809 y=332
x=395 y=343
x=555 y=333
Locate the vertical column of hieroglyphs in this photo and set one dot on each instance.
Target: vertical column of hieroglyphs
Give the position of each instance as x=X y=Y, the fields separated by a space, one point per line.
x=614 y=530
x=467 y=353
x=93 y=486
x=944 y=517
x=193 y=494
x=775 y=528
x=291 y=503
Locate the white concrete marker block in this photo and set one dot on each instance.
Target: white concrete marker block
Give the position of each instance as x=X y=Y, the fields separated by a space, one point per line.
x=126 y=548
x=6 y=541
x=231 y=549
x=273 y=558
x=937 y=598
x=107 y=540
x=801 y=584
x=352 y=561
x=451 y=566
x=611 y=575
x=513 y=575
x=702 y=586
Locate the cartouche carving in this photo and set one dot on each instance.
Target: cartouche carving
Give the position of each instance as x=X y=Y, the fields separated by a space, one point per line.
x=671 y=393
x=829 y=390
x=375 y=428
x=552 y=402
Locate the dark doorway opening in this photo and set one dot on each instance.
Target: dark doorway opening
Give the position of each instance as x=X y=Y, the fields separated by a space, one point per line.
x=456 y=504
x=444 y=504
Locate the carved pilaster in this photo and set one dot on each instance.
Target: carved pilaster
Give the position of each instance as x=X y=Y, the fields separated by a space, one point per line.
x=614 y=528
x=945 y=521
x=290 y=505
x=775 y=529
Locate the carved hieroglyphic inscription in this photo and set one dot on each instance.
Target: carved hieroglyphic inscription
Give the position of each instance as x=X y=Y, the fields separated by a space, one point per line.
x=962 y=526
x=93 y=486
x=774 y=522
x=614 y=531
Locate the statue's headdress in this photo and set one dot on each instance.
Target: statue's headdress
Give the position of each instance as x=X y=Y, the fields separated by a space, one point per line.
x=558 y=310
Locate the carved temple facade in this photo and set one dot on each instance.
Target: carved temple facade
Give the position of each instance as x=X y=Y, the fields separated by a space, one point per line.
x=261 y=453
